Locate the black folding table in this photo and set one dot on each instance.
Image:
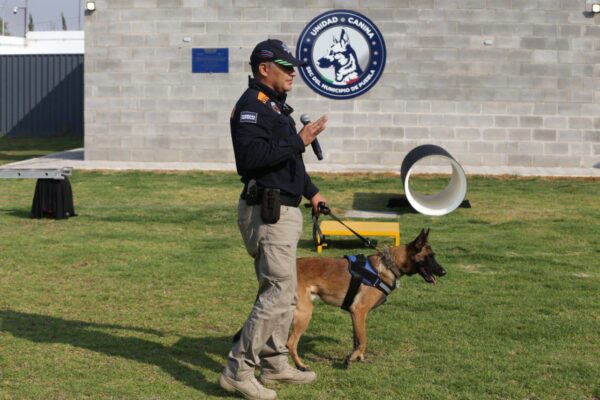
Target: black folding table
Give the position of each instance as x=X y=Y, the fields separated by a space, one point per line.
x=53 y=195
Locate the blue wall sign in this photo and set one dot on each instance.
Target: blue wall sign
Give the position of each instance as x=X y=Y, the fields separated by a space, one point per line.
x=210 y=60
x=345 y=54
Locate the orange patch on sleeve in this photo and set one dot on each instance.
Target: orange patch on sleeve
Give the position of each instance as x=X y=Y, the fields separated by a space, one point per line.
x=263 y=97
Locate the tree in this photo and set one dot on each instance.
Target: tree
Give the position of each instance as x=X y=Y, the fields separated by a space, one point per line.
x=64 y=21
x=31 y=26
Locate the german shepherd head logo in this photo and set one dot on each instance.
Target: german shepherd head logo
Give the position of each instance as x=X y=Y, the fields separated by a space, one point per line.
x=342 y=57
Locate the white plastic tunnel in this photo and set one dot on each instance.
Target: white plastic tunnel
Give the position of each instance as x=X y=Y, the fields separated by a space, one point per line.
x=449 y=198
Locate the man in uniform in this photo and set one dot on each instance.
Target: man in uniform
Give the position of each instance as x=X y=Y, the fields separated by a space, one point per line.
x=268 y=154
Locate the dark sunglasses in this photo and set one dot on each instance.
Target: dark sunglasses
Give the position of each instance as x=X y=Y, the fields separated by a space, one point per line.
x=285 y=69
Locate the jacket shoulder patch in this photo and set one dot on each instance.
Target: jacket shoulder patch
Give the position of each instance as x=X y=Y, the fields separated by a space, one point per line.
x=263 y=98
x=248 y=117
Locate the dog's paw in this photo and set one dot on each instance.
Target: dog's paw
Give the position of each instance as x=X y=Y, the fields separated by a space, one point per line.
x=347 y=362
x=353 y=358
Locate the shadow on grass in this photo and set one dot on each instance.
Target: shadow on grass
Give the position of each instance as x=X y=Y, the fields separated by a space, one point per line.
x=307 y=350
x=389 y=202
x=86 y=335
x=19 y=213
x=171 y=359
x=307 y=244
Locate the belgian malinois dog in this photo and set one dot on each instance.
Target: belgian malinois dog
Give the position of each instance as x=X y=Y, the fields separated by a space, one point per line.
x=329 y=279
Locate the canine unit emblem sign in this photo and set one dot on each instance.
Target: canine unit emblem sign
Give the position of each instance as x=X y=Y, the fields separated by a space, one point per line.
x=344 y=52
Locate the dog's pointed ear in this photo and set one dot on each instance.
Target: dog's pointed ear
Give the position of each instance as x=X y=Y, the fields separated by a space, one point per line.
x=344 y=38
x=421 y=236
x=427 y=234
x=419 y=241
x=422 y=239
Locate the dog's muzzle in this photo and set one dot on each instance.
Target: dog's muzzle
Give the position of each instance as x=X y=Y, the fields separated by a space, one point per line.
x=430 y=269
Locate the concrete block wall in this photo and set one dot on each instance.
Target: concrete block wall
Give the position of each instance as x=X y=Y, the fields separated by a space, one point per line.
x=529 y=98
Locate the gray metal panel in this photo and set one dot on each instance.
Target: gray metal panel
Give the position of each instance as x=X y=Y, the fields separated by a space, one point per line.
x=41 y=95
x=25 y=173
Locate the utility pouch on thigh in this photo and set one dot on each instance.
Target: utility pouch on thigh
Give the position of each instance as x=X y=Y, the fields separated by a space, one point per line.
x=270 y=206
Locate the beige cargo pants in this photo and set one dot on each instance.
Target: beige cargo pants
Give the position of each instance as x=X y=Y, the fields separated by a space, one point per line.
x=265 y=332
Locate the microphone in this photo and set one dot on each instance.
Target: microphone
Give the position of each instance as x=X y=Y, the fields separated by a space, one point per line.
x=305 y=119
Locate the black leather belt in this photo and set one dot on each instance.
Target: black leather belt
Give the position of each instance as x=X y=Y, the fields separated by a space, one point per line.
x=286 y=200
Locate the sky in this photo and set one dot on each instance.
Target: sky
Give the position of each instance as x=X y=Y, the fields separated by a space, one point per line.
x=46 y=14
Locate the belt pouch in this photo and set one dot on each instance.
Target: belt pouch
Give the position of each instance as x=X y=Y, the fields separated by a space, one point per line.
x=251 y=193
x=270 y=206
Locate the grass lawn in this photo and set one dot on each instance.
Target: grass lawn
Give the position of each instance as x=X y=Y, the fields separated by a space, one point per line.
x=17 y=149
x=138 y=296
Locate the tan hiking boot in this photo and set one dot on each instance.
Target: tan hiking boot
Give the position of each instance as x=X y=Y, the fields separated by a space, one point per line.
x=288 y=374
x=250 y=389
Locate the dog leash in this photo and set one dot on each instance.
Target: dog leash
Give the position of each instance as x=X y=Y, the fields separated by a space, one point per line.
x=323 y=209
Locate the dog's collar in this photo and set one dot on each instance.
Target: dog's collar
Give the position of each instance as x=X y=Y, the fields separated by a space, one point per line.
x=386 y=260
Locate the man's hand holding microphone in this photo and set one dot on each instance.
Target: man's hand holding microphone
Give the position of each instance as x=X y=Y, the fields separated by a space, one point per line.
x=309 y=134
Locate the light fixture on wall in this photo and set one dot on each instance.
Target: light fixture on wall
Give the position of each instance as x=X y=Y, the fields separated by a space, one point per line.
x=15 y=10
x=90 y=6
x=592 y=6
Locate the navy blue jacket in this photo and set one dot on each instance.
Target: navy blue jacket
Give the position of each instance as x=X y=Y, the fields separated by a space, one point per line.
x=266 y=144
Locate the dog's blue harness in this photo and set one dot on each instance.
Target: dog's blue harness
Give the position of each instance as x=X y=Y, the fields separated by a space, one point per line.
x=362 y=273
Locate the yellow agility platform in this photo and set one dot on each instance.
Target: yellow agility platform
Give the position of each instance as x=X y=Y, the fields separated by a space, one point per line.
x=364 y=228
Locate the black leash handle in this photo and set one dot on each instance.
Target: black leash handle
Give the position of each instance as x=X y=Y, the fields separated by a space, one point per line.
x=323 y=209
x=317 y=234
